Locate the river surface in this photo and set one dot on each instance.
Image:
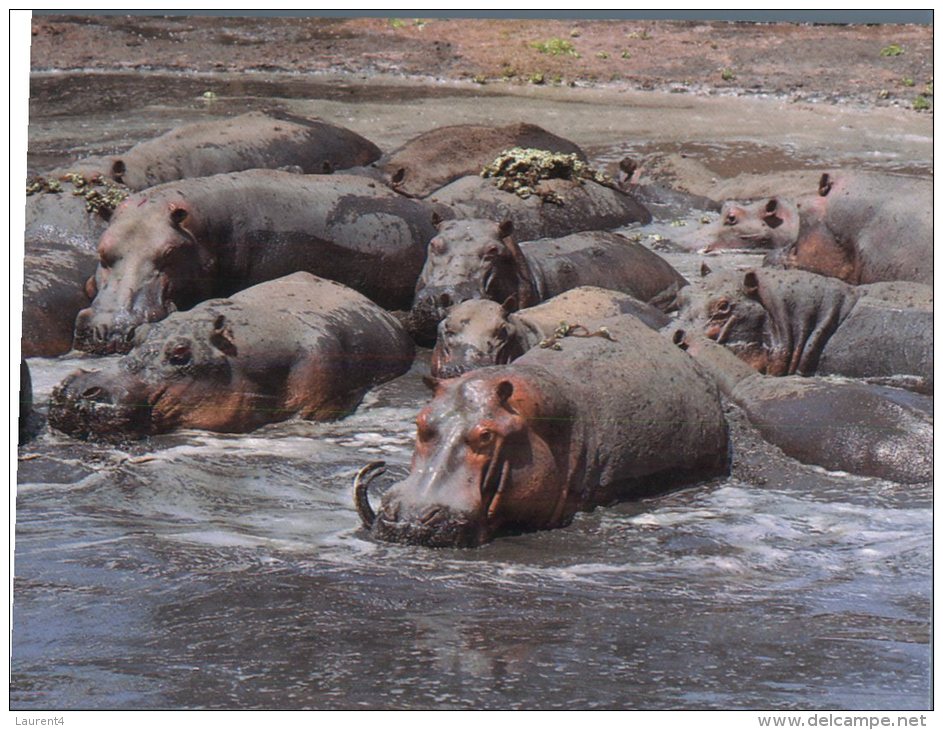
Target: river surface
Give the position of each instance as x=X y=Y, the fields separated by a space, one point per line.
x=199 y=570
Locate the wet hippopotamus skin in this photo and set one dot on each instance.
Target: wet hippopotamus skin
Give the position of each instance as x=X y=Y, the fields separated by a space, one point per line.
x=437 y=157
x=859 y=227
x=471 y=259
x=174 y=245
x=24 y=430
x=299 y=345
x=266 y=140
x=54 y=278
x=864 y=429
x=479 y=332
x=797 y=322
x=586 y=205
x=525 y=446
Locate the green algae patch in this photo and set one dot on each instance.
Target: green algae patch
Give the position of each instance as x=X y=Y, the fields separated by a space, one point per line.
x=519 y=170
x=101 y=196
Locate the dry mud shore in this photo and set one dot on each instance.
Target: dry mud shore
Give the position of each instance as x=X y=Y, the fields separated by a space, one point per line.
x=881 y=65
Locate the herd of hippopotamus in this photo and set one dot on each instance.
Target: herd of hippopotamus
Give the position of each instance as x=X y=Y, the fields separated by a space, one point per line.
x=270 y=266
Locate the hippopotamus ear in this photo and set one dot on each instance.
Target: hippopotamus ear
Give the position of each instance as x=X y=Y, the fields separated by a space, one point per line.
x=182 y=219
x=705 y=269
x=222 y=337
x=751 y=285
x=679 y=337
x=509 y=305
x=825 y=184
x=772 y=217
x=118 y=169
x=436 y=220
x=91 y=288
x=505 y=228
x=504 y=390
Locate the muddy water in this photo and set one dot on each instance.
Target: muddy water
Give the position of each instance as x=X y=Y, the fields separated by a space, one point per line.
x=207 y=570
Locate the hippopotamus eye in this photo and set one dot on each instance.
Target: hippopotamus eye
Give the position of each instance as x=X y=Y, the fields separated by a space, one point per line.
x=502 y=334
x=481 y=438
x=179 y=355
x=730 y=219
x=437 y=245
x=721 y=307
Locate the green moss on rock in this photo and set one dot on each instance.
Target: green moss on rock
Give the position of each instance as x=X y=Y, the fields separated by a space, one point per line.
x=519 y=170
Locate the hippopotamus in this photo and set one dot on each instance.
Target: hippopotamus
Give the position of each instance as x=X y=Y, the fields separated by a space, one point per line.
x=174 y=245
x=859 y=227
x=470 y=259
x=298 y=345
x=480 y=332
x=525 y=446
x=54 y=278
x=860 y=428
x=439 y=156
x=582 y=205
x=797 y=322
x=270 y=140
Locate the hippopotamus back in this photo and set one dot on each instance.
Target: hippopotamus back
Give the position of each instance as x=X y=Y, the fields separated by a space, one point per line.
x=437 y=157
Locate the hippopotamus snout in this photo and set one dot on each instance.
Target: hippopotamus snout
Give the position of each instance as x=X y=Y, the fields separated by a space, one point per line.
x=99 y=403
x=96 y=336
x=434 y=526
x=407 y=516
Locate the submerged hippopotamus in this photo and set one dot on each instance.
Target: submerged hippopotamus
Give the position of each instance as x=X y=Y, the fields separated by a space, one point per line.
x=480 y=332
x=864 y=429
x=299 y=345
x=54 y=277
x=859 y=227
x=439 y=156
x=559 y=207
x=266 y=140
x=178 y=244
x=471 y=259
x=525 y=446
x=797 y=322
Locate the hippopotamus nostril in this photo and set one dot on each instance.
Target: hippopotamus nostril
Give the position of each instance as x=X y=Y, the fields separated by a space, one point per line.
x=430 y=515
x=96 y=393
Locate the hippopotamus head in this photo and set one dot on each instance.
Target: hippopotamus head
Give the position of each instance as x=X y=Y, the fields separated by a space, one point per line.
x=179 y=373
x=766 y=224
x=150 y=264
x=470 y=259
x=475 y=334
x=719 y=308
x=484 y=463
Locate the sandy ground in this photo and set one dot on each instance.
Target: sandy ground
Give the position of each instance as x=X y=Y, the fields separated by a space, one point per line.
x=875 y=65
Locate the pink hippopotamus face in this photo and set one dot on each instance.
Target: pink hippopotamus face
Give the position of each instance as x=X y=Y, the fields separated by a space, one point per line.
x=766 y=224
x=483 y=464
x=150 y=264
